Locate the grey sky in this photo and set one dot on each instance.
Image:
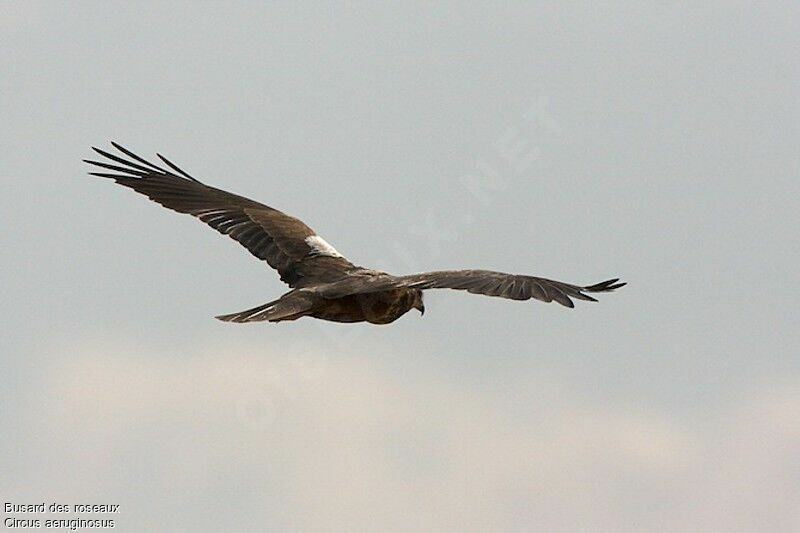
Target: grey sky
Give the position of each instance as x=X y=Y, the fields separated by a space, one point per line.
x=653 y=141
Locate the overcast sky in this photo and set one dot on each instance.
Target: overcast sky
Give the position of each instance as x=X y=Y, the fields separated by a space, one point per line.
x=653 y=141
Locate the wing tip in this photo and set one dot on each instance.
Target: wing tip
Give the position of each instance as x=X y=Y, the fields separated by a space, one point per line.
x=605 y=286
x=136 y=163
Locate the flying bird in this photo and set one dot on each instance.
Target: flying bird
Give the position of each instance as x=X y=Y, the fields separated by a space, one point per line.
x=324 y=284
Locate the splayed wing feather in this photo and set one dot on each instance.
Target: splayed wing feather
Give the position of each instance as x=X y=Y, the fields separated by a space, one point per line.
x=174 y=167
x=137 y=158
x=125 y=162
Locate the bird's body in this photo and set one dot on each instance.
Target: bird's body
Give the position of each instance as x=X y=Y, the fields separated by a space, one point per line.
x=381 y=307
x=325 y=285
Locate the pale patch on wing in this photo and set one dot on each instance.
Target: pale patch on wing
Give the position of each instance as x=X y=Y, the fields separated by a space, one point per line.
x=320 y=246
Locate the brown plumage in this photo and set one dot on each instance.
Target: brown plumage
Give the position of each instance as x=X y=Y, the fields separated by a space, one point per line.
x=324 y=284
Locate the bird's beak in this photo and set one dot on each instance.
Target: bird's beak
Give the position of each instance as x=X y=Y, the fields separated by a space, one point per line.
x=421 y=309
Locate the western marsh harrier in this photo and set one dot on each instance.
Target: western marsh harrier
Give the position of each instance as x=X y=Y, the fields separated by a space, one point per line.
x=324 y=284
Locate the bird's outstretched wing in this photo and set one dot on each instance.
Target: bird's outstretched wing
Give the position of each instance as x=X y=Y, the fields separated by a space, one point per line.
x=289 y=246
x=512 y=286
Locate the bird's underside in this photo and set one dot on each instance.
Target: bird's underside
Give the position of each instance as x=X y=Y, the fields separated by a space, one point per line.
x=324 y=284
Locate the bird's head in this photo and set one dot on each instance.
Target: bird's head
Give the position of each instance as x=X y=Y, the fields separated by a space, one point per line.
x=418 y=304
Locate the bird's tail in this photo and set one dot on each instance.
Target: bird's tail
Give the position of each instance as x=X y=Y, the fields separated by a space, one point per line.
x=290 y=306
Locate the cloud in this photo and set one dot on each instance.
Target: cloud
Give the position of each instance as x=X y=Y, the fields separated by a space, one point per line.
x=243 y=438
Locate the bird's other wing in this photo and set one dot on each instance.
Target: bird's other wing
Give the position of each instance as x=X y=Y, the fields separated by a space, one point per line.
x=289 y=246
x=512 y=286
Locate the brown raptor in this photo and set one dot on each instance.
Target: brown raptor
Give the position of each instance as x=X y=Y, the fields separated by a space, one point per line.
x=324 y=284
